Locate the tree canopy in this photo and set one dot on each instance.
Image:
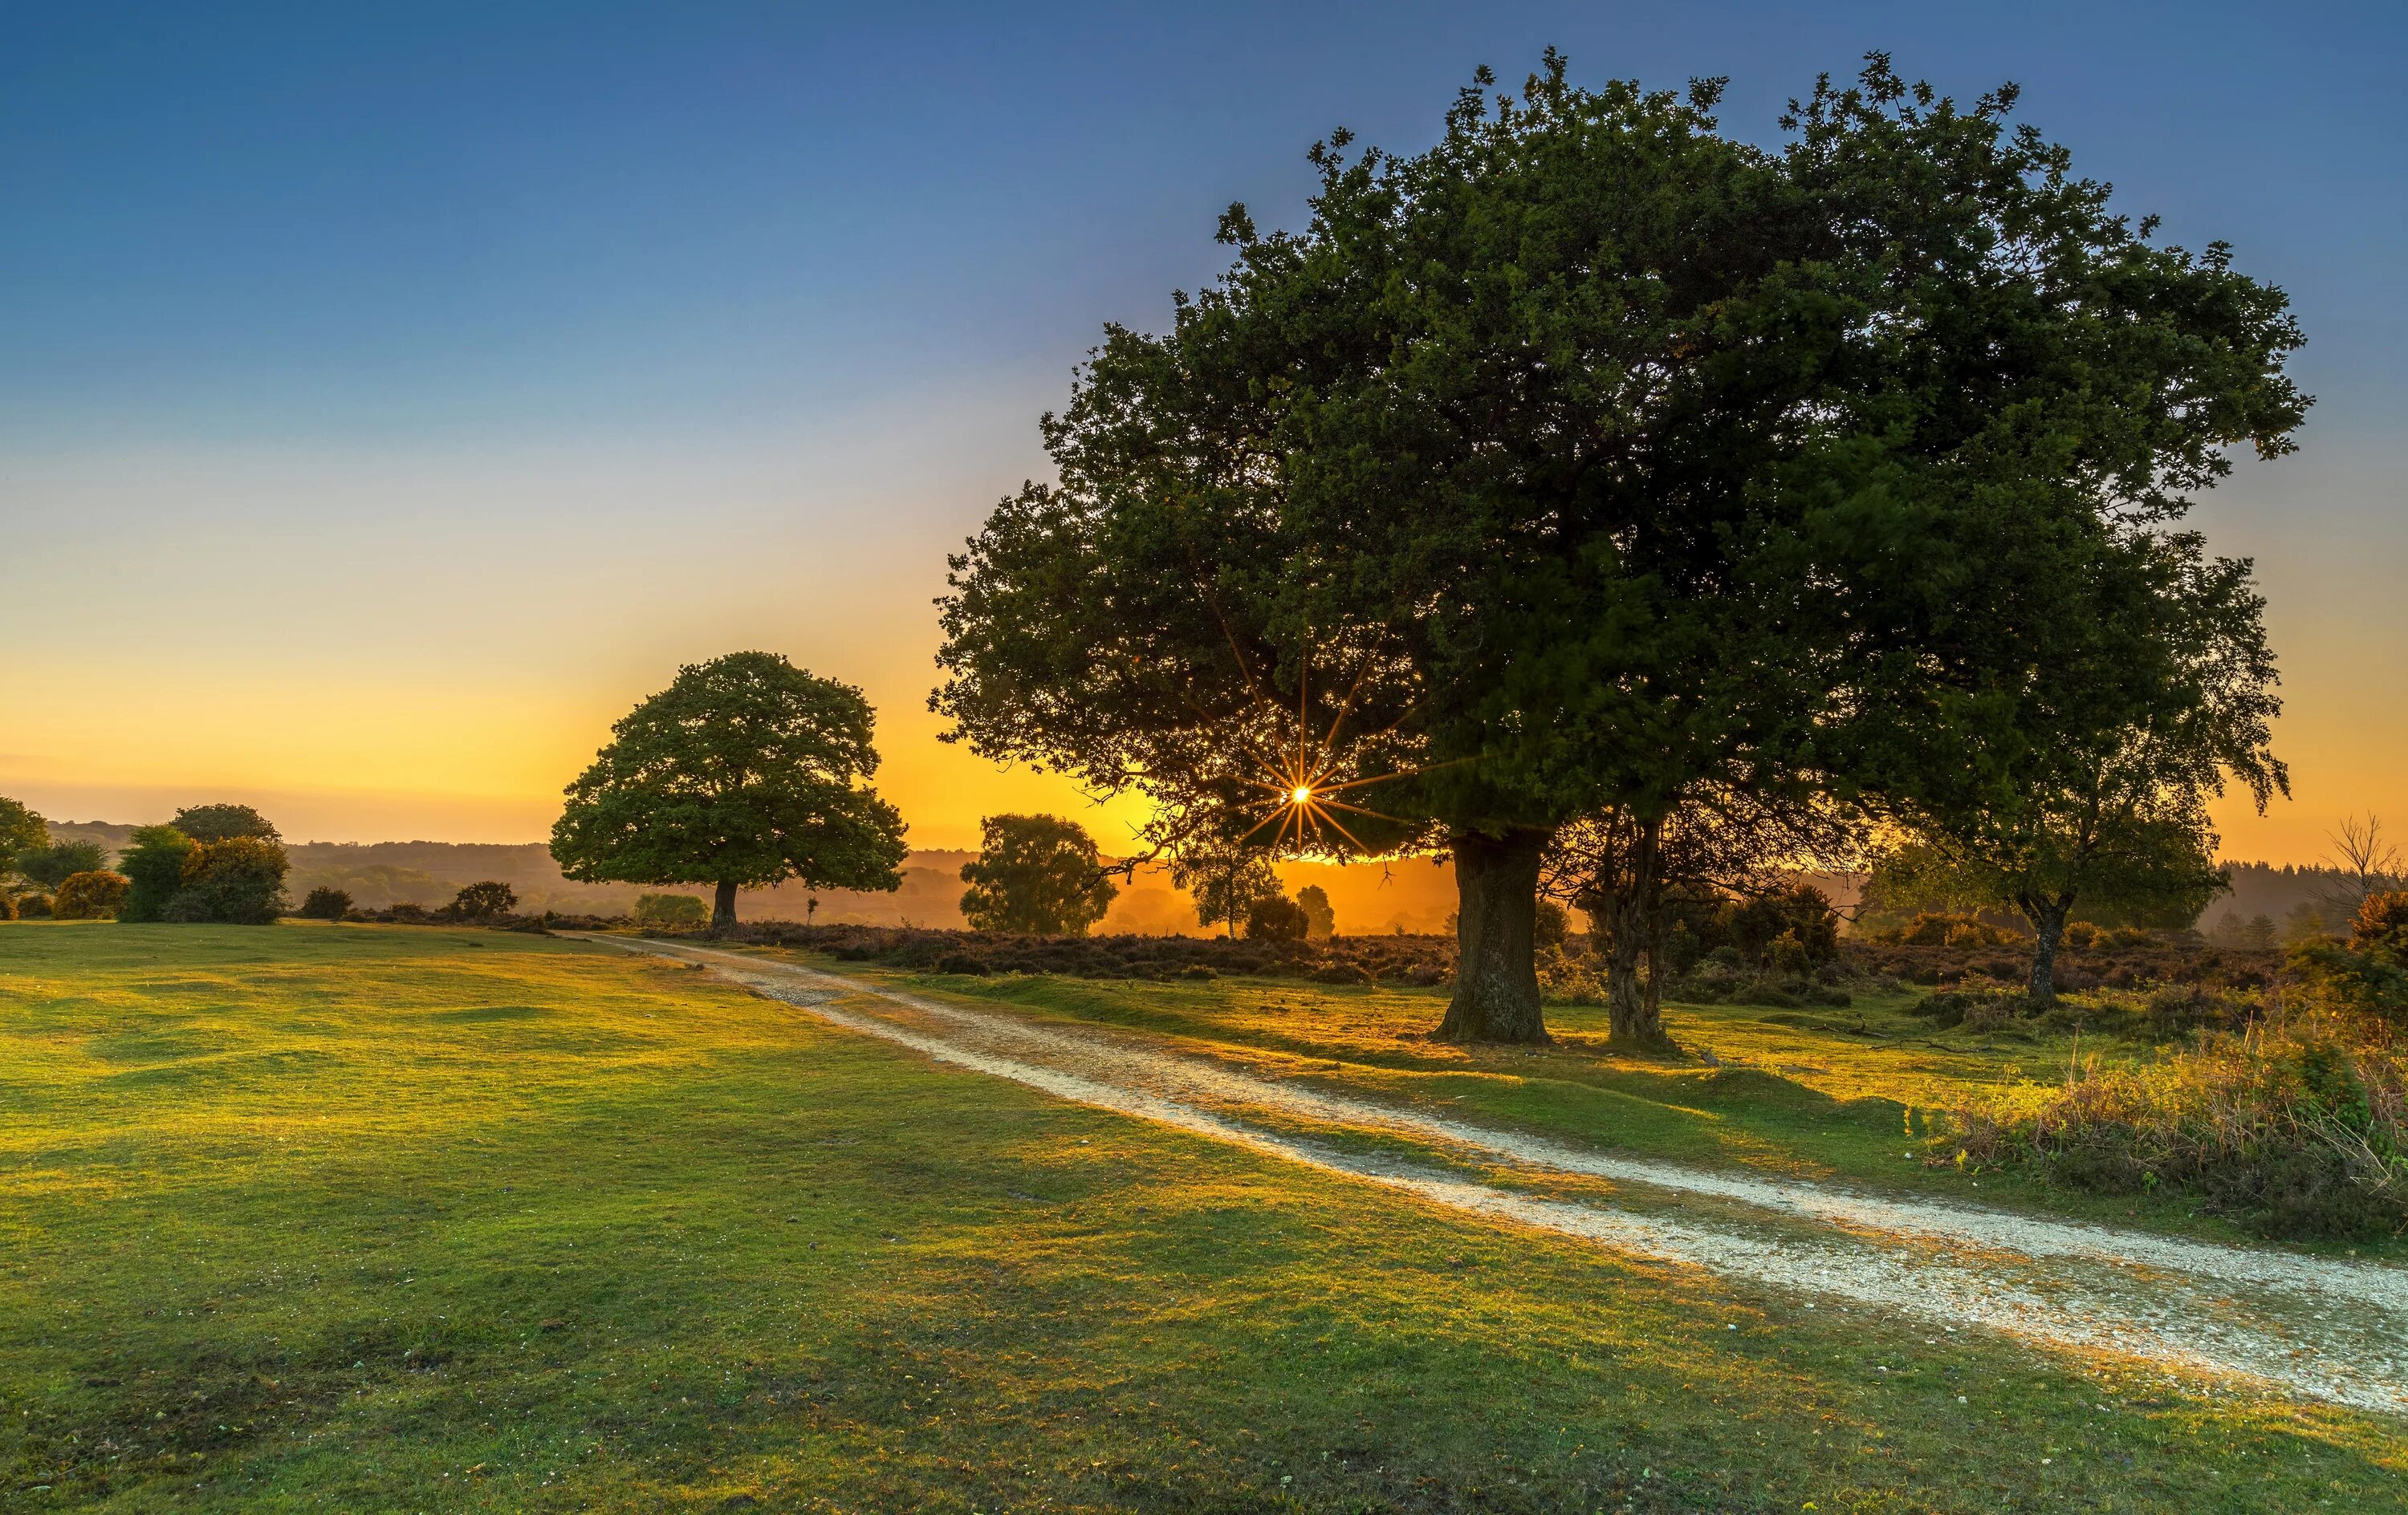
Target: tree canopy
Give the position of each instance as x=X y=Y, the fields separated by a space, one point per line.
x=1592 y=457
x=21 y=830
x=745 y=772
x=1036 y=873
x=222 y=822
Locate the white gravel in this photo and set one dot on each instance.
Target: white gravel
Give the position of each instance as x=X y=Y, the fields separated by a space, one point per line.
x=2313 y=1328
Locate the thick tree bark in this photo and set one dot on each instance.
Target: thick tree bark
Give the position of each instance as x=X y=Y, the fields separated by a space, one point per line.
x=722 y=910
x=1496 y=973
x=2047 y=917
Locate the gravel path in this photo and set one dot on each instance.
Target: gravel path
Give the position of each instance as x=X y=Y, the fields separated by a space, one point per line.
x=2310 y=1327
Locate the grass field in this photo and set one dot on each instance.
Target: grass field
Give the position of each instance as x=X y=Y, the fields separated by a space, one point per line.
x=384 y=1219
x=1855 y=1094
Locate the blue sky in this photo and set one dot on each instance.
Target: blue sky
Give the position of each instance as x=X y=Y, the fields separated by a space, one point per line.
x=387 y=371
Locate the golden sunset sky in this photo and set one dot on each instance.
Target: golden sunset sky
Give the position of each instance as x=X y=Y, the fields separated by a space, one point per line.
x=385 y=408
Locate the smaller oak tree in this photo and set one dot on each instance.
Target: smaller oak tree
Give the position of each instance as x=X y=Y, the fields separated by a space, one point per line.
x=1037 y=874
x=745 y=772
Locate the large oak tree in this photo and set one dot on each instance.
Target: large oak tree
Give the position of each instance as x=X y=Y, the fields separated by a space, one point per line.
x=745 y=772
x=1588 y=460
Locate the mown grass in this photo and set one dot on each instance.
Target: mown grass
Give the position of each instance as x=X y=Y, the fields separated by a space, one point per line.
x=378 y=1218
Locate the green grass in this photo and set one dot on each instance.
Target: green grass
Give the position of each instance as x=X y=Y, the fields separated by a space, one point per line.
x=337 y=1218
x=1855 y=1094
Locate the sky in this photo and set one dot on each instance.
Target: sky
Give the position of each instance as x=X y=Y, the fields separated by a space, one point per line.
x=391 y=397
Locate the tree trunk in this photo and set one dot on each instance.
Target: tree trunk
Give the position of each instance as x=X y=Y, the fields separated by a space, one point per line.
x=722 y=910
x=1496 y=973
x=1634 y=998
x=2048 y=925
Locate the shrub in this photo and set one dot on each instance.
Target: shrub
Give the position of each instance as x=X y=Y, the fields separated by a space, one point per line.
x=324 y=903
x=487 y=901
x=1977 y=1008
x=8 y=908
x=239 y=881
x=94 y=894
x=1932 y=929
x=2381 y=926
x=961 y=963
x=52 y=865
x=2179 y=1009
x=665 y=912
x=32 y=906
x=1275 y=918
x=2298 y=1129
x=1800 y=913
x=154 y=866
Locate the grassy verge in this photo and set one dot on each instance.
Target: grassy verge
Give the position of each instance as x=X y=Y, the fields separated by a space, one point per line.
x=312 y=1218
x=1858 y=1095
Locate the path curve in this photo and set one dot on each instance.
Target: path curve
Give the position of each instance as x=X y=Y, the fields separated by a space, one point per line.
x=2310 y=1327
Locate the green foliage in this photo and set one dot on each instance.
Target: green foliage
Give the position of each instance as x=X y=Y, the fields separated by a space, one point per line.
x=1554 y=926
x=21 y=830
x=324 y=903
x=1225 y=882
x=1320 y=920
x=1790 y=929
x=223 y=822
x=1037 y=874
x=1276 y=918
x=670 y=911
x=1941 y=928
x=2297 y=1130
x=52 y=865
x=154 y=866
x=237 y=882
x=485 y=900
x=1594 y=455
x=745 y=772
x=92 y=895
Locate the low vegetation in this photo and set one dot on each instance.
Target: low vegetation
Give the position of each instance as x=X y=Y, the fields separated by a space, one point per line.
x=334 y=1216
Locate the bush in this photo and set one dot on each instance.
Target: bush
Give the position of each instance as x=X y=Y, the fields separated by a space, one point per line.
x=239 y=881
x=52 y=865
x=1801 y=914
x=669 y=913
x=961 y=963
x=1936 y=929
x=94 y=894
x=487 y=901
x=2179 y=1009
x=1976 y=1008
x=2297 y=1130
x=32 y=906
x=7 y=909
x=324 y=903
x=155 y=864
x=1277 y=919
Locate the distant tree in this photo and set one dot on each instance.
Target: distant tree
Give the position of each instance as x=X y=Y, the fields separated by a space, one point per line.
x=324 y=903
x=95 y=895
x=2305 y=921
x=1276 y=918
x=485 y=901
x=2258 y=934
x=1320 y=921
x=671 y=911
x=2362 y=863
x=745 y=772
x=239 y=881
x=153 y=862
x=1039 y=874
x=21 y=830
x=223 y=822
x=1793 y=923
x=2154 y=688
x=52 y=865
x=1551 y=927
x=1225 y=882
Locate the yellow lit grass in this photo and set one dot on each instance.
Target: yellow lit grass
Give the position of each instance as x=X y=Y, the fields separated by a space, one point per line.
x=313 y=1218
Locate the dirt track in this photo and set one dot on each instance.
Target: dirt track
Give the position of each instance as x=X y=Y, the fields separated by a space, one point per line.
x=2310 y=1327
